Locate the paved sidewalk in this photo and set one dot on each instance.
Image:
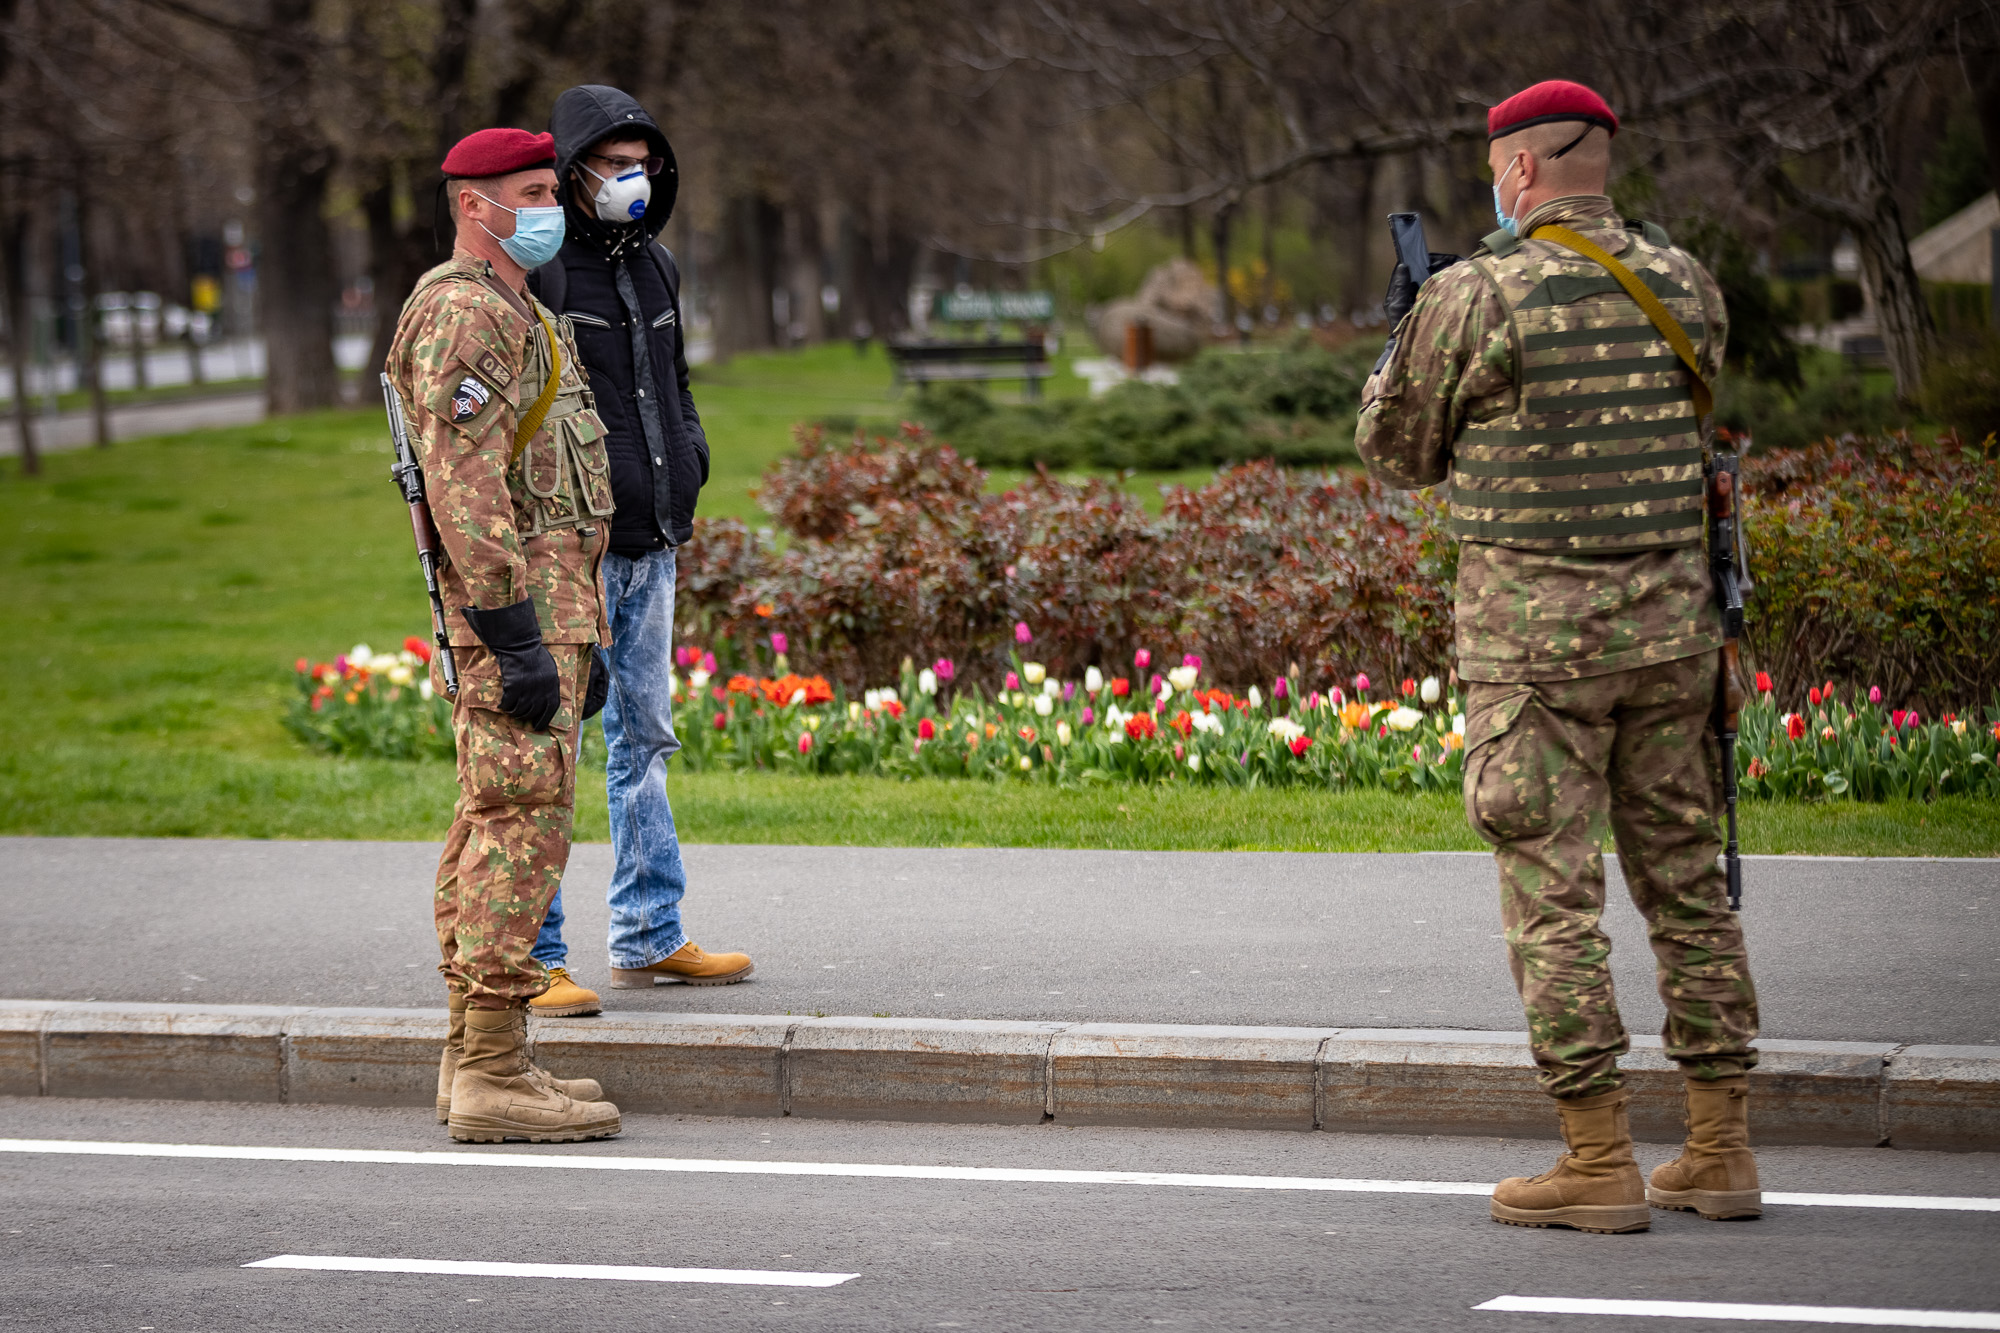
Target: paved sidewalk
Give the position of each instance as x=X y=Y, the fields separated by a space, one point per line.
x=1845 y=950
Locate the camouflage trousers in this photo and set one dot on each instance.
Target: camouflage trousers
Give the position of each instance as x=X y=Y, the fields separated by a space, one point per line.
x=1546 y=765
x=510 y=832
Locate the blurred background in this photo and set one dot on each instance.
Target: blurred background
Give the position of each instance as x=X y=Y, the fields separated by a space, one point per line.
x=199 y=192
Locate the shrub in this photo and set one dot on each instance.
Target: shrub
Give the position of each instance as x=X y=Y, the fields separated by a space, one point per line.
x=1962 y=389
x=1833 y=400
x=897 y=552
x=1296 y=406
x=1877 y=564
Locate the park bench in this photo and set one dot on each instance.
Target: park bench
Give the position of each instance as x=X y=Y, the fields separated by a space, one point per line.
x=928 y=362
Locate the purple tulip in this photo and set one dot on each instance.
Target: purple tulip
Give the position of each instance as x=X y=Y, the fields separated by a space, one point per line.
x=340 y=664
x=1021 y=632
x=778 y=643
x=1069 y=690
x=1089 y=715
x=1279 y=689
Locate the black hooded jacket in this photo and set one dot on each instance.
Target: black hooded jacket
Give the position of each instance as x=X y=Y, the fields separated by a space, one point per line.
x=621 y=290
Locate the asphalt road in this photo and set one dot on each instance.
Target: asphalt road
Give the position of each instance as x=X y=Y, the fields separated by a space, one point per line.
x=151 y=1243
x=1841 y=949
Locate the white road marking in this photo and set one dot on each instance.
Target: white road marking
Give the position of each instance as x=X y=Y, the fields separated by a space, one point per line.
x=750 y=1277
x=883 y=1171
x=1802 y=1314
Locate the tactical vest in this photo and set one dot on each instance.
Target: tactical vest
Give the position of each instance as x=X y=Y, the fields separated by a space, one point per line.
x=1601 y=450
x=564 y=468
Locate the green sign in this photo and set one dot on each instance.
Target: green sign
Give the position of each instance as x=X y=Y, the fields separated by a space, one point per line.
x=978 y=307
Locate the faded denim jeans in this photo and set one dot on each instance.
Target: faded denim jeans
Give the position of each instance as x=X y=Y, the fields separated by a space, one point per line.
x=647 y=880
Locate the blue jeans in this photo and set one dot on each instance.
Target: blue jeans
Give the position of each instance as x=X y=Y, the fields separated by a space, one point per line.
x=647 y=880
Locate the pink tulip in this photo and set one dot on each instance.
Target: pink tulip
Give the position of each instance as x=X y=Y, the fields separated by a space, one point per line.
x=1089 y=715
x=1874 y=694
x=1021 y=632
x=944 y=668
x=681 y=657
x=1069 y=690
x=1013 y=681
x=1417 y=753
x=1361 y=684
x=1143 y=658
x=1189 y=659
x=779 y=643
x=340 y=664
x=1312 y=701
x=708 y=662
x=1279 y=688
x=805 y=742
x=1336 y=696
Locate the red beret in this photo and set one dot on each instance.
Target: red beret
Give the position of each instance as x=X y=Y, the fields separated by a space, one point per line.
x=498 y=152
x=1557 y=99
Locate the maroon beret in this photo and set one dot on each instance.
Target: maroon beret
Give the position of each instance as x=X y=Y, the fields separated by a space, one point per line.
x=1556 y=99
x=497 y=152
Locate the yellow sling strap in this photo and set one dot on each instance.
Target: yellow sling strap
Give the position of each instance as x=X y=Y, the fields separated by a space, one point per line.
x=538 y=411
x=1663 y=319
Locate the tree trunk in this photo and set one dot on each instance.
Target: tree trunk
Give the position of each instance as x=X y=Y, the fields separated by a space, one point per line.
x=14 y=258
x=89 y=348
x=1218 y=231
x=744 y=277
x=295 y=277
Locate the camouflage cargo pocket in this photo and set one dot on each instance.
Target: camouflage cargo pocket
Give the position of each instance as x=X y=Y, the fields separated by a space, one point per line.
x=1507 y=784
x=501 y=762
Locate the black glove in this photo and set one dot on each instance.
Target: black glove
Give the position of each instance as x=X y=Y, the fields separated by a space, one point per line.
x=600 y=685
x=530 y=688
x=1403 y=292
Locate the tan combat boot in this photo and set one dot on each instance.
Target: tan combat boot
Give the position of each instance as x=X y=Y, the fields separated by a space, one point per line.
x=497 y=1095
x=1595 y=1186
x=582 y=1089
x=564 y=998
x=689 y=964
x=1716 y=1174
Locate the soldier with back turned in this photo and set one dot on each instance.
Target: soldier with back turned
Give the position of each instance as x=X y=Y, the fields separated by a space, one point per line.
x=1562 y=415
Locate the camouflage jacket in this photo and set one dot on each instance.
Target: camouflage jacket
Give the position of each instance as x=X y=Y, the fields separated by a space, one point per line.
x=462 y=350
x=1530 y=615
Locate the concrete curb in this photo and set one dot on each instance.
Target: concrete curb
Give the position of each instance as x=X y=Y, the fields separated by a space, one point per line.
x=1351 y=1079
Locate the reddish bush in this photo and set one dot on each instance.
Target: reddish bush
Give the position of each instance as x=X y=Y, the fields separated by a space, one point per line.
x=897 y=552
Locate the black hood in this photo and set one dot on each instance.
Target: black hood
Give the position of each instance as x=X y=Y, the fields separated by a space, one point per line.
x=586 y=114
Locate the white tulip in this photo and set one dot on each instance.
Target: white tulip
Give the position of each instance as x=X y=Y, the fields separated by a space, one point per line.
x=1044 y=705
x=1403 y=719
x=1051 y=687
x=697 y=680
x=360 y=654
x=1093 y=680
x=1194 y=762
x=424 y=690
x=853 y=711
x=1458 y=724
x=1182 y=678
x=798 y=697
x=1033 y=672
x=1286 y=730
x=401 y=675
x=927 y=681
x=1256 y=697
x=1063 y=733
x=1431 y=691
x=1026 y=763
x=871 y=700
x=887 y=692
x=1020 y=699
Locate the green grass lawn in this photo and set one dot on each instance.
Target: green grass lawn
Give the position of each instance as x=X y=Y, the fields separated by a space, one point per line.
x=158 y=592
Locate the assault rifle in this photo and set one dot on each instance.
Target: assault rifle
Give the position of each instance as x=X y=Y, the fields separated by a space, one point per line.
x=409 y=478
x=1728 y=564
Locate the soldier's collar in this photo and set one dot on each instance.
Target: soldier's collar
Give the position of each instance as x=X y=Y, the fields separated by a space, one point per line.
x=1570 y=208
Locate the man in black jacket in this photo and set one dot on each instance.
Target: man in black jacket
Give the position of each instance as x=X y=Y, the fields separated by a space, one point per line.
x=620 y=290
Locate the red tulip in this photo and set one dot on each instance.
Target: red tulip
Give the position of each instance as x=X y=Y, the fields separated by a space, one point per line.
x=926 y=729
x=1764 y=683
x=1300 y=744
x=1795 y=727
x=1120 y=687
x=721 y=721
x=1409 y=688
x=1813 y=696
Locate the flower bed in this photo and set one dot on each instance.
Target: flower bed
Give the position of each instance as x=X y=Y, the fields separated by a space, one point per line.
x=1862 y=750
x=1144 y=727
x=369 y=703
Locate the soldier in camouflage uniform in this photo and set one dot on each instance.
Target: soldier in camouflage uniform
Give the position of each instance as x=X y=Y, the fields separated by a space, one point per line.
x=513 y=458
x=1588 y=636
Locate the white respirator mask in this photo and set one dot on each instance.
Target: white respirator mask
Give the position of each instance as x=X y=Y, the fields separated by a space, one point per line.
x=622 y=198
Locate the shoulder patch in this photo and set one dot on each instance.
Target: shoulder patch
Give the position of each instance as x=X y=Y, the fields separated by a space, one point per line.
x=469 y=399
x=494 y=369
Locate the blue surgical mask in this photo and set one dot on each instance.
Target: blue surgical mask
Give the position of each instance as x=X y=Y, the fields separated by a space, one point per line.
x=538 y=234
x=1512 y=226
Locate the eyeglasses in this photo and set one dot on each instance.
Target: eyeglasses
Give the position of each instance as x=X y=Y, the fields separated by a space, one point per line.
x=620 y=165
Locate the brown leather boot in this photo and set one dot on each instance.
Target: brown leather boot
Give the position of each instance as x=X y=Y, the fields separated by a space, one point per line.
x=497 y=1095
x=1595 y=1186
x=1716 y=1173
x=582 y=1089
x=689 y=964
